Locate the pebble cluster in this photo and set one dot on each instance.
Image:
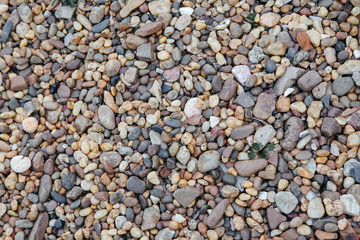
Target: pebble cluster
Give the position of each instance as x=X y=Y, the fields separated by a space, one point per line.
x=181 y=119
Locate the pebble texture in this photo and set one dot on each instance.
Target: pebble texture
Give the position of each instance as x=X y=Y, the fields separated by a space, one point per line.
x=181 y=119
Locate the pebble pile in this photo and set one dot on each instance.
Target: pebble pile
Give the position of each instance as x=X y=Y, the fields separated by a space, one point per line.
x=181 y=119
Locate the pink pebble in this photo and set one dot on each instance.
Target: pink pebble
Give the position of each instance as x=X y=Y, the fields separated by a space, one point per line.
x=143 y=8
x=241 y=73
x=191 y=108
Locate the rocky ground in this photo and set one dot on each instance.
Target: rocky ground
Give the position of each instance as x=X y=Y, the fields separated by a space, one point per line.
x=179 y=119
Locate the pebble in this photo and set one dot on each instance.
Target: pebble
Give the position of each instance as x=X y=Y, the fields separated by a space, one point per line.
x=309 y=80
x=241 y=73
x=208 y=161
x=247 y=168
x=186 y=195
x=191 y=108
x=315 y=208
x=286 y=202
x=20 y=164
x=217 y=213
x=30 y=124
x=342 y=86
x=135 y=185
x=269 y=19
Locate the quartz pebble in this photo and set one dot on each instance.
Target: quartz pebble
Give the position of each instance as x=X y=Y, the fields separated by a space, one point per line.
x=20 y=164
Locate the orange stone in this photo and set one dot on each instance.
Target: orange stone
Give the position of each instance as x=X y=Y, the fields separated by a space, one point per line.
x=283 y=104
x=304 y=41
x=304 y=172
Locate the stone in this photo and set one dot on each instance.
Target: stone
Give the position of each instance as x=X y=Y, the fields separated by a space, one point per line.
x=40 y=226
x=247 y=168
x=96 y=14
x=30 y=124
x=245 y=100
x=288 y=79
x=209 y=160
x=208 y=70
x=135 y=185
x=68 y=180
x=330 y=127
x=351 y=205
x=309 y=80
x=98 y=28
x=133 y=41
x=82 y=124
x=6 y=30
x=149 y=28
x=274 y=217
x=129 y=7
x=229 y=191
x=316 y=208
x=315 y=37
x=353 y=140
x=24 y=223
x=330 y=55
x=151 y=217
x=264 y=134
x=342 y=86
x=186 y=11
x=269 y=19
x=349 y=67
x=228 y=90
x=242 y=132
x=131 y=75
x=165 y=234
x=256 y=54
x=172 y=74
x=65 y=12
x=277 y=49
x=182 y=22
x=18 y=83
x=264 y=106
x=44 y=188
x=186 y=195
x=25 y=13
x=304 y=41
x=112 y=67
x=106 y=117
x=191 y=108
x=84 y=21
x=214 y=44
x=286 y=202
x=111 y=159
x=183 y=155
x=217 y=213
x=293 y=128
x=20 y=164
x=119 y=222
x=159 y=7
x=145 y=52
x=241 y=73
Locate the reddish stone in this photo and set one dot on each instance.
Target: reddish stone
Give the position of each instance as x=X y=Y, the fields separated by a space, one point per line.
x=304 y=41
x=149 y=28
x=18 y=83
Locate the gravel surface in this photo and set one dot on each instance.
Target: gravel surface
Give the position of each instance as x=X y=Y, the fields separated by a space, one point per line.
x=172 y=119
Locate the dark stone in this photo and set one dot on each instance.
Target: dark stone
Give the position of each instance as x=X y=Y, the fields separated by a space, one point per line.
x=68 y=180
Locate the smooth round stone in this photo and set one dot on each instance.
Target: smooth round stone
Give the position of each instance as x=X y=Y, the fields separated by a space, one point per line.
x=30 y=124
x=330 y=227
x=20 y=164
x=270 y=66
x=229 y=179
x=191 y=108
